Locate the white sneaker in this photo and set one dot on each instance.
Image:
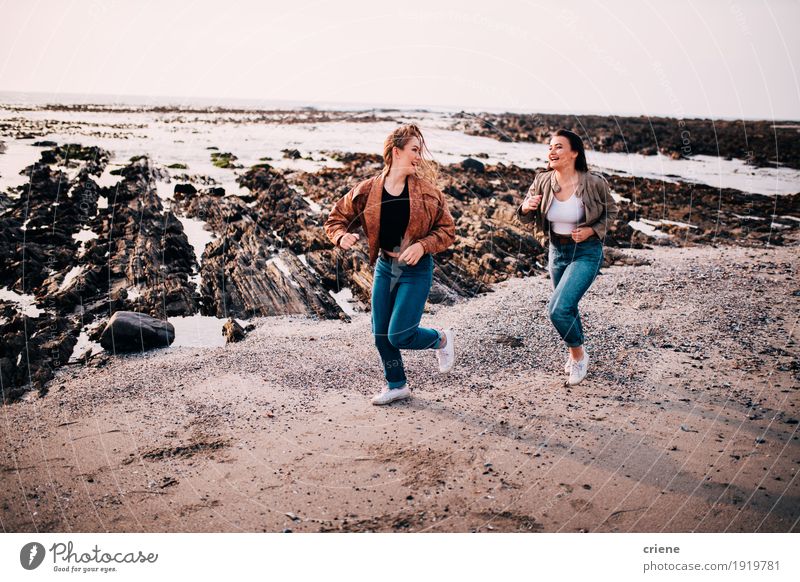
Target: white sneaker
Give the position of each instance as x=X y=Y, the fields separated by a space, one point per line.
x=390 y=395
x=447 y=354
x=568 y=365
x=578 y=370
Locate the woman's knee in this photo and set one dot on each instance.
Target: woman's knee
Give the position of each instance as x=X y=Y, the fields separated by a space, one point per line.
x=559 y=311
x=402 y=339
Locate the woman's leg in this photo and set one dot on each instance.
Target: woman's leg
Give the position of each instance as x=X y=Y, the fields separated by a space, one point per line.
x=557 y=261
x=384 y=292
x=412 y=291
x=574 y=281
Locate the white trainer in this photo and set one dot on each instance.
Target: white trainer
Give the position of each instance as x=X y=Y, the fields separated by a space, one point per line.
x=579 y=368
x=447 y=354
x=390 y=395
x=568 y=365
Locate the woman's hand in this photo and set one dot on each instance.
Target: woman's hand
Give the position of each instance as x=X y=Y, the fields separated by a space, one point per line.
x=531 y=202
x=348 y=240
x=412 y=254
x=582 y=233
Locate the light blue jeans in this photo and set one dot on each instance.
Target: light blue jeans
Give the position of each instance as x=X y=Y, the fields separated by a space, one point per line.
x=573 y=267
x=399 y=292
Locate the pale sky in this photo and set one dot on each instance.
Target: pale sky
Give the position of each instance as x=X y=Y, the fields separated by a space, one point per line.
x=698 y=58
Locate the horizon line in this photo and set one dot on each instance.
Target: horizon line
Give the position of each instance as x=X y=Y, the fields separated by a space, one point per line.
x=252 y=102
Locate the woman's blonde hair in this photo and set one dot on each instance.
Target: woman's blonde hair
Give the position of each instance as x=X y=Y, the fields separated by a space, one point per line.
x=427 y=169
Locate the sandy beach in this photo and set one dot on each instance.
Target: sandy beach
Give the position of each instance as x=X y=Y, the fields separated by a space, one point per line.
x=687 y=421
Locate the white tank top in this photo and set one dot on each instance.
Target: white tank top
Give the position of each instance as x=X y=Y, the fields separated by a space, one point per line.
x=565 y=216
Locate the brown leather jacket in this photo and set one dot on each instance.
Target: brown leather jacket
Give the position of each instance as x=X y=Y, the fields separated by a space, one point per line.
x=599 y=205
x=429 y=221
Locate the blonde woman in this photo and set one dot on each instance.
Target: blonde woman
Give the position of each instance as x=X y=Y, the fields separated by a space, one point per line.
x=405 y=219
x=570 y=208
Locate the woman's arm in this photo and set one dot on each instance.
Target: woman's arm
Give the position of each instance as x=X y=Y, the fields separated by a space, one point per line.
x=343 y=218
x=443 y=231
x=526 y=213
x=610 y=211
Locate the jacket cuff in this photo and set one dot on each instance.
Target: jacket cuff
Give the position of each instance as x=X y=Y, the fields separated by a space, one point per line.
x=599 y=230
x=525 y=218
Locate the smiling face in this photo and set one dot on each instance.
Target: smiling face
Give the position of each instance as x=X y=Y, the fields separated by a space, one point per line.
x=561 y=156
x=407 y=158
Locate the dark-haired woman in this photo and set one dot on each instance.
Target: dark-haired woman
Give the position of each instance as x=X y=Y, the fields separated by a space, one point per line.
x=571 y=209
x=406 y=220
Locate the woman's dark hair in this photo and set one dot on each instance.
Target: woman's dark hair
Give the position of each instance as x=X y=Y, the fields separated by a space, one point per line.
x=576 y=144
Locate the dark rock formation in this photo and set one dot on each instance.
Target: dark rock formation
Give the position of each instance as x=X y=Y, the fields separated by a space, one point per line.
x=71 y=155
x=764 y=143
x=128 y=331
x=181 y=190
x=140 y=258
x=473 y=164
x=715 y=215
x=232 y=331
x=252 y=269
x=32 y=348
x=291 y=154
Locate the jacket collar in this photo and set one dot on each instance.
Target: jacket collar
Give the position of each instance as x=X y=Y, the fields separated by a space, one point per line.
x=556 y=187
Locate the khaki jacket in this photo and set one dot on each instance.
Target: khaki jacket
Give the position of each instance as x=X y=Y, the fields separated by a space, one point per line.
x=429 y=221
x=598 y=204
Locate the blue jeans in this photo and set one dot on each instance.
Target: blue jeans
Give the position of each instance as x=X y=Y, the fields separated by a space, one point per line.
x=399 y=292
x=573 y=267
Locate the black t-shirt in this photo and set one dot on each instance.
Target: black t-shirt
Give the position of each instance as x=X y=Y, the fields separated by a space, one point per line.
x=395 y=212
